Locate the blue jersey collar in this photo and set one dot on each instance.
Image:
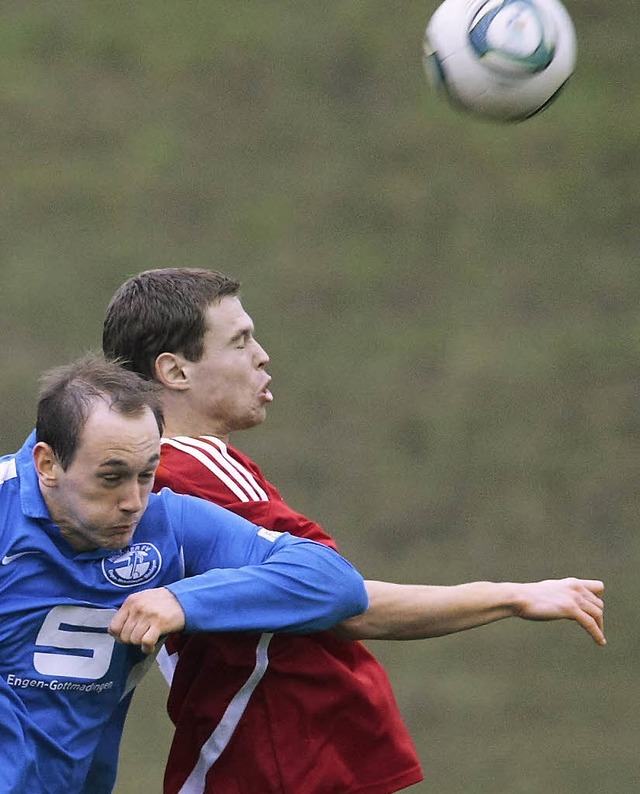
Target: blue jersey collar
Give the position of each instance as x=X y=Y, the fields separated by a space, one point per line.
x=31 y=499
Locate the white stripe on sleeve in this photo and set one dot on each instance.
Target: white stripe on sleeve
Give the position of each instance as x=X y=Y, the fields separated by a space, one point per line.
x=7 y=470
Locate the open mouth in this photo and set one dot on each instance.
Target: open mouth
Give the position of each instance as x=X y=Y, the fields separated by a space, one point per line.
x=266 y=392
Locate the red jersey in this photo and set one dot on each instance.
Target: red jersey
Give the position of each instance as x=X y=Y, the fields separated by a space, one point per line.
x=273 y=714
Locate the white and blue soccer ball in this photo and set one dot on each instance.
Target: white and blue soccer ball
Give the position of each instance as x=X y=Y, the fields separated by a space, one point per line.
x=504 y=60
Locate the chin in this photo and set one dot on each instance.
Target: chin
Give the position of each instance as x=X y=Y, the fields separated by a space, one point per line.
x=250 y=421
x=119 y=542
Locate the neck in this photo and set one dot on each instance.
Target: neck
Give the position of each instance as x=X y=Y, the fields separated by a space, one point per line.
x=171 y=430
x=181 y=418
x=174 y=428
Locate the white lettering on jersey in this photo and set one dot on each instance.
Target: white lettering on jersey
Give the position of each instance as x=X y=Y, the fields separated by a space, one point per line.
x=58 y=631
x=18 y=682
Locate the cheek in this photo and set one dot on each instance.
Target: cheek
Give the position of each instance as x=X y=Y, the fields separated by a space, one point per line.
x=96 y=502
x=98 y=508
x=213 y=385
x=226 y=391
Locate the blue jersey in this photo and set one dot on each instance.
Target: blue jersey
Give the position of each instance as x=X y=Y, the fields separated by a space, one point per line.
x=65 y=684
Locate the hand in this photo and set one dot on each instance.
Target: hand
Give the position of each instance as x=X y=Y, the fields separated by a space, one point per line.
x=146 y=616
x=554 y=599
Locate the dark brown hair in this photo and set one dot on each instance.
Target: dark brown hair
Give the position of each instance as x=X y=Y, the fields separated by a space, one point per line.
x=162 y=311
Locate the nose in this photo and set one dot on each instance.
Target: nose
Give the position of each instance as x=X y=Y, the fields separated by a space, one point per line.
x=262 y=357
x=131 y=499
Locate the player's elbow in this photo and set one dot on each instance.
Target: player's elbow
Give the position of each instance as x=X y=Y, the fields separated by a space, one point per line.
x=354 y=600
x=345 y=589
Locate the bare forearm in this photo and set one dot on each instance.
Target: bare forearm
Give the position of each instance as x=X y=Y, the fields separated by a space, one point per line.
x=409 y=612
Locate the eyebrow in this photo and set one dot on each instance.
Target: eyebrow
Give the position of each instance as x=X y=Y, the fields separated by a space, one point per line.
x=118 y=463
x=245 y=332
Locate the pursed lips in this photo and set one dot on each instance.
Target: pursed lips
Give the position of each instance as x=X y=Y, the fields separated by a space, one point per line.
x=122 y=529
x=265 y=392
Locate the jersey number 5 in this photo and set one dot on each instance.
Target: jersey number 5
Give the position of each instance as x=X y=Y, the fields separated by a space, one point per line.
x=81 y=632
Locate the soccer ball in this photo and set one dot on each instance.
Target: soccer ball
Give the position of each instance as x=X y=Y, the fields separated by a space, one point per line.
x=504 y=60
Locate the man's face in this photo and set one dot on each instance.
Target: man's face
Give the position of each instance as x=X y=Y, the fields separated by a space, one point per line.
x=99 y=499
x=229 y=386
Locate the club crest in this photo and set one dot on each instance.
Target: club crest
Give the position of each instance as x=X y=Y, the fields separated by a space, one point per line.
x=134 y=566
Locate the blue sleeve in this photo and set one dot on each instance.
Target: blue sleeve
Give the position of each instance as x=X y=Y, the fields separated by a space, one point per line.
x=246 y=578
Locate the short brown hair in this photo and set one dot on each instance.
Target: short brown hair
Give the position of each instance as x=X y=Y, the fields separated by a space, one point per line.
x=162 y=311
x=68 y=392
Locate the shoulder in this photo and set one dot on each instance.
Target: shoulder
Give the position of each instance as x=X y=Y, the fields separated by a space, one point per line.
x=8 y=470
x=208 y=467
x=180 y=512
x=19 y=464
x=19 y=481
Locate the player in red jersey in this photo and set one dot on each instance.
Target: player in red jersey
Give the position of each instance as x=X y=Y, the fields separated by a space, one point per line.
x=275 y=714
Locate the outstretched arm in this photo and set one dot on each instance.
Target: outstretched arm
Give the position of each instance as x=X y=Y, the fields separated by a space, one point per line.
x=287 y=584
x=410 y=612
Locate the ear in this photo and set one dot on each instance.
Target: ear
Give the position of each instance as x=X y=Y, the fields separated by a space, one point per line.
x=170 y=371
x=46 y=464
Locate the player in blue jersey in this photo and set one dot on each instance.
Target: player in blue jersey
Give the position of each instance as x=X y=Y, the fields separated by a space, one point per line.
x=95 y=569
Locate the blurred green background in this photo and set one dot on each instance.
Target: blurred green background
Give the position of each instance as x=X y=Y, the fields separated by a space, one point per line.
x=451 y=307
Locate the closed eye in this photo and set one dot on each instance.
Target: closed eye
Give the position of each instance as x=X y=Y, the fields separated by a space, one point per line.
x=111 y=479
x=242 y=339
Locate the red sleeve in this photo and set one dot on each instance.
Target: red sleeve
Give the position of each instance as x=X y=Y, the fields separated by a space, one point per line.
x=225 y=476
